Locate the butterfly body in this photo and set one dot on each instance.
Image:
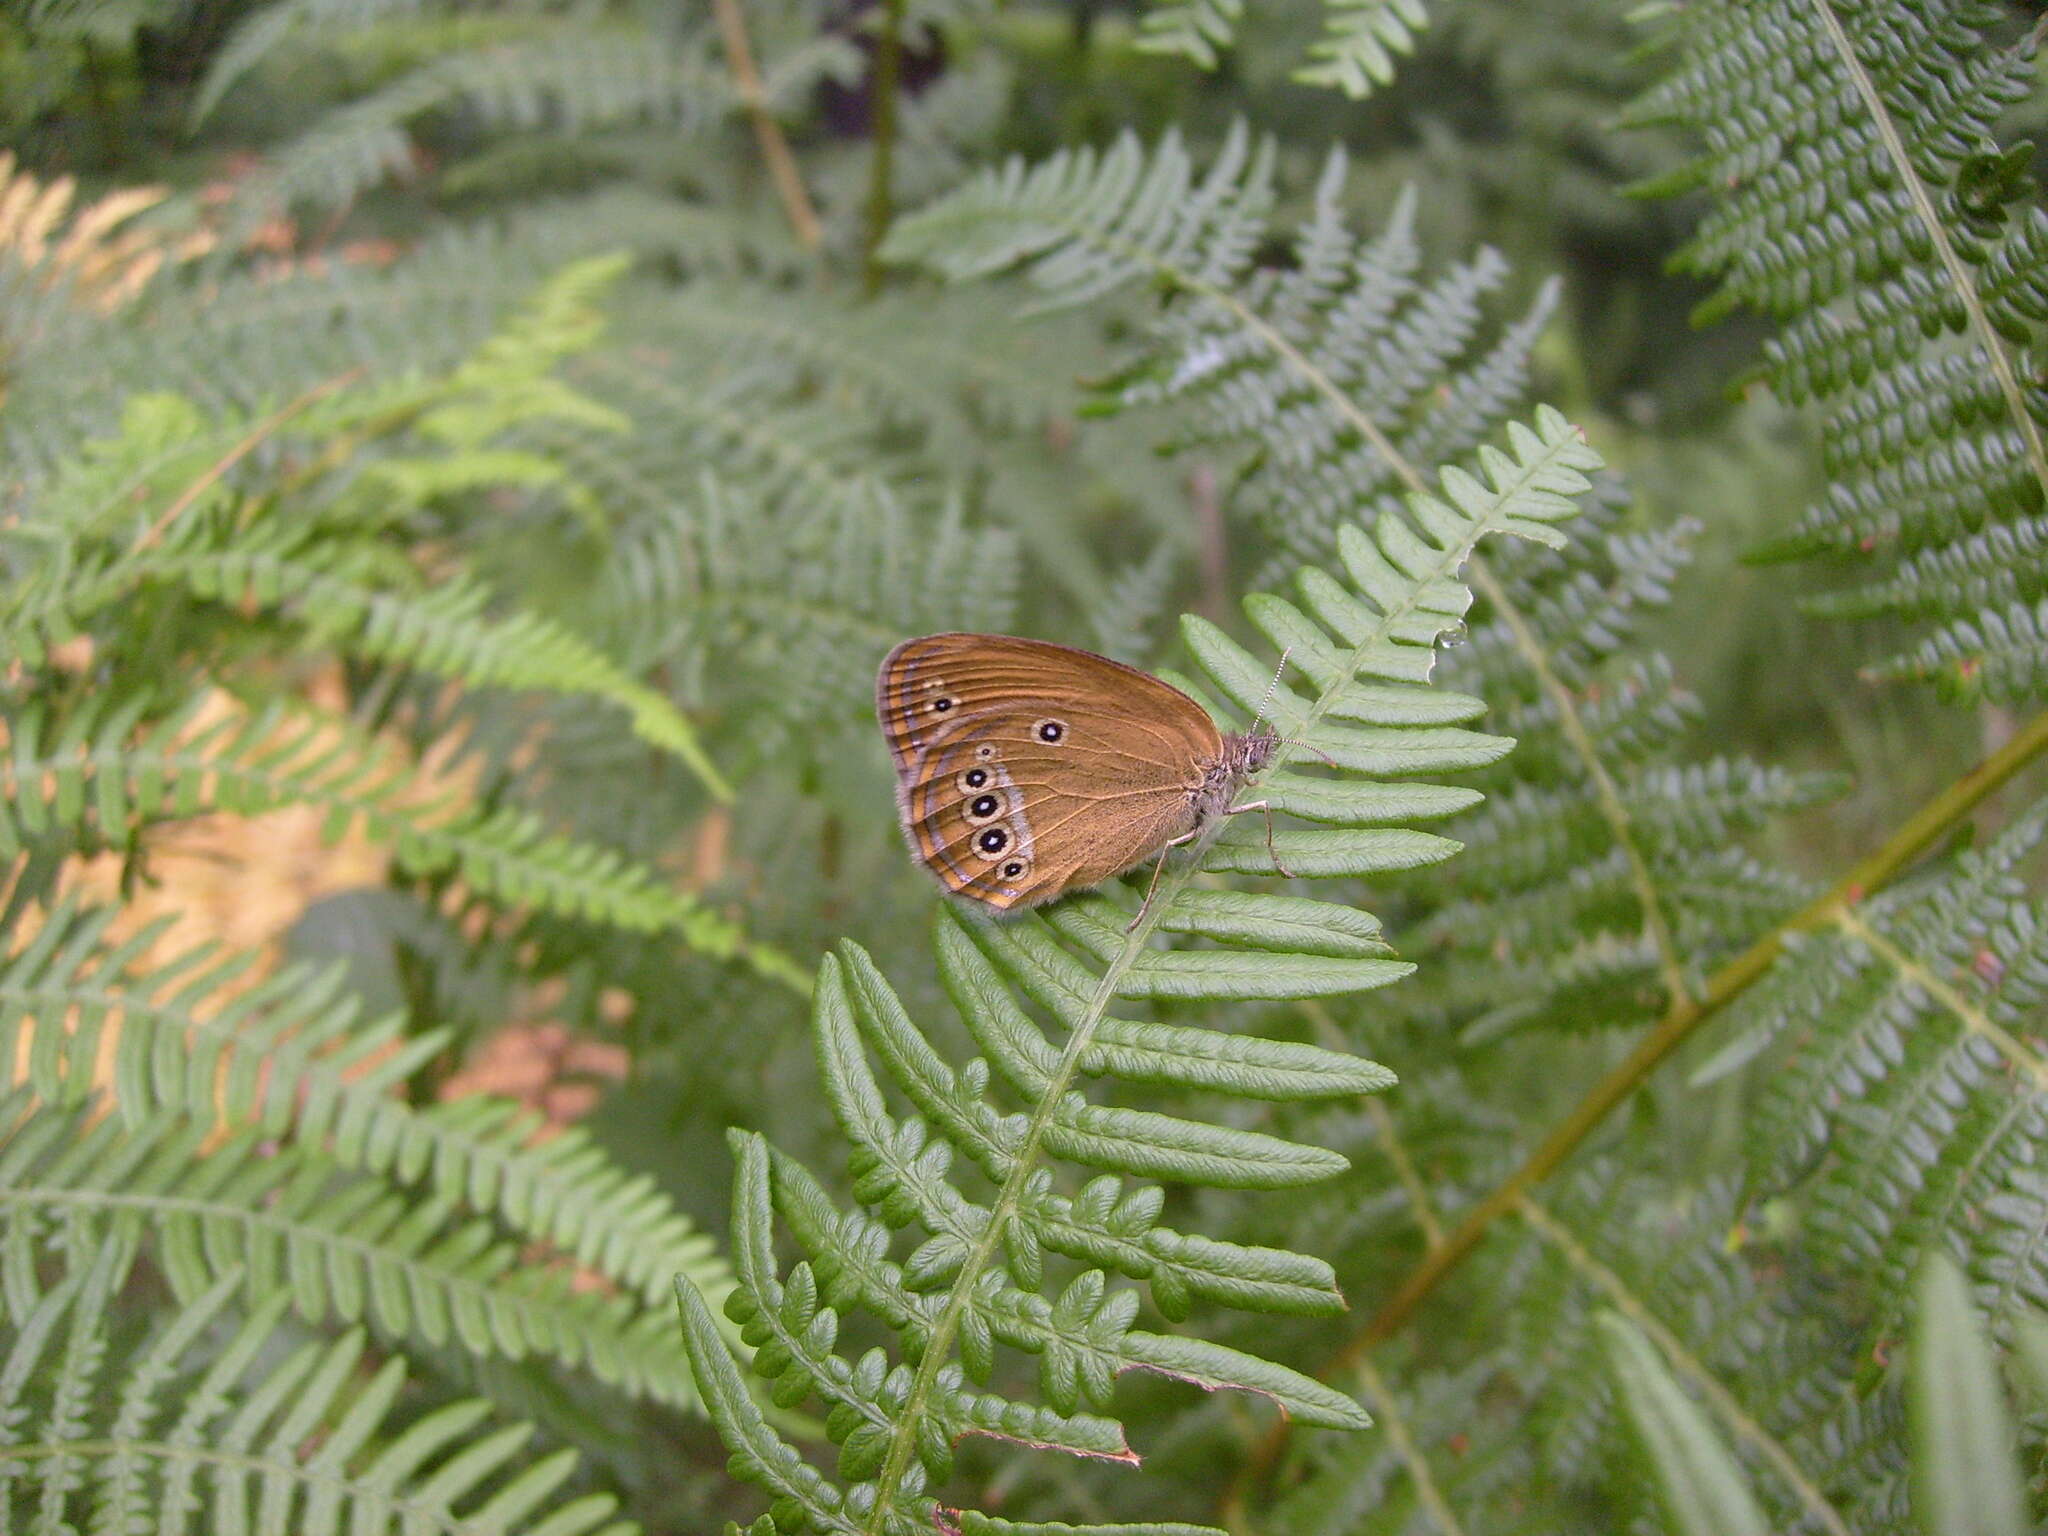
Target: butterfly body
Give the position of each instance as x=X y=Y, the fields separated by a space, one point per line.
x=1026 y=769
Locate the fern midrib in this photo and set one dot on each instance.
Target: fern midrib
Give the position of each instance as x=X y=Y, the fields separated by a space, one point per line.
x=1388 y=1409
x=1930 y=218
x=1732 y=1413
x=1973 y=1019
x=938 y=1347
x=249 y=442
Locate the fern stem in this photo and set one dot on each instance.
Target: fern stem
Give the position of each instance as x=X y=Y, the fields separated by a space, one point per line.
x=1613 y=809
x=938 y=1347
x=1870 y=874
x=1732 y=1413
x=1974 y=1019
x=256 y=436
x=882 y=168
x=1930 y=218
x=1384 y=1132
x=782 y=171
x=1404 y=1169
x=1388 y=1412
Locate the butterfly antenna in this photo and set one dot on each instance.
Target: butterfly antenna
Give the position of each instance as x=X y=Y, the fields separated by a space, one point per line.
x=1272 y=688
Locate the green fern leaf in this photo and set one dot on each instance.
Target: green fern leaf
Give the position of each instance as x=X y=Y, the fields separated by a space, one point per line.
x=1197 y=30
x=341 y=1246
x=210 y=1424
x=571 y=74
x=1357 y=54
x=1704 y=1490
x=289 y=1057
x=99 y=777
x=1864 y=202
x=1275 y=364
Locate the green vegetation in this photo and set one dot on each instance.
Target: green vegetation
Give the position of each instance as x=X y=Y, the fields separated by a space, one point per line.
x=477 y=1055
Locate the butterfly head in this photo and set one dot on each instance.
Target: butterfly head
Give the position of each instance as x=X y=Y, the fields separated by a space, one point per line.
x=1244 y=755
x=1248 y=753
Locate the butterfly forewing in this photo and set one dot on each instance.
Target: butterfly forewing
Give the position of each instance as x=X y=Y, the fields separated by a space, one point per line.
x=1025 y=769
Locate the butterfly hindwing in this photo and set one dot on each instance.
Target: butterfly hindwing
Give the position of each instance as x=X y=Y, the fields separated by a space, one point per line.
x=1025 y=769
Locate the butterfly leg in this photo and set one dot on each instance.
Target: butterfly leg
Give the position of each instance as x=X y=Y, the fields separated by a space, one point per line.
x=1153 y=885
x=1271 y=852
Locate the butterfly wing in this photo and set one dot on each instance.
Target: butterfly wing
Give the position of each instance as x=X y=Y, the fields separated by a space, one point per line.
x=1025 y=769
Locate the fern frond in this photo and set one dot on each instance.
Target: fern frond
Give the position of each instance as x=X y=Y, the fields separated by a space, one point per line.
x=344 y=1246
x=290 y=1056
x=246 y=339
x=1361 y=40
x=262 y=32
x=1658 y=1253
x=1275 y=364
x=156 y=506
x=567 y=74
x=341 y=592
x=1355 y=54
x=1896 y=1114
x=1132 y=603
x=1857 y=1010
x=1549 y=917
x=57 y=259
x=916 y=359
x=100 y=776
x=205 y=1422
x=1999 y=652
x=1197 y=30
x=1915 y=1071
x=1864 y=202
x=1335 y=375
x=981 y=1277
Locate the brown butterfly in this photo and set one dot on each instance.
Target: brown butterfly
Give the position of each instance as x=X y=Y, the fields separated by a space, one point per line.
x=1025 y=769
